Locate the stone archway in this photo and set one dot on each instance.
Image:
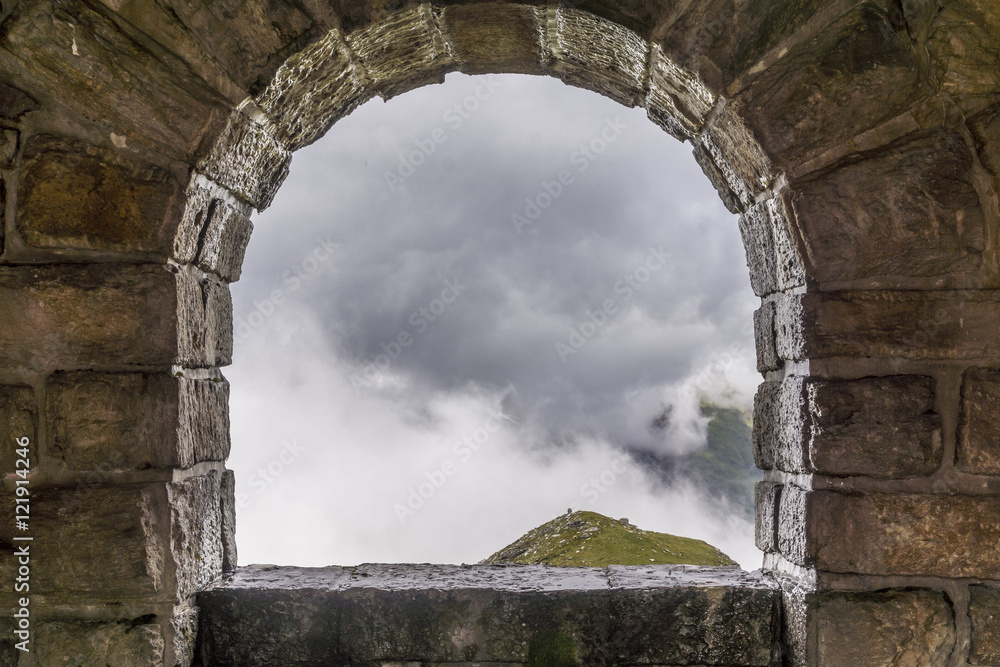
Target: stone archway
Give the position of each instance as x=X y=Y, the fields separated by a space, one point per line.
x=858 y=140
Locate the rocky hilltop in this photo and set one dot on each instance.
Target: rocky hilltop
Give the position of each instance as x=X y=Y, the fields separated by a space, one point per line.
x=589 y=539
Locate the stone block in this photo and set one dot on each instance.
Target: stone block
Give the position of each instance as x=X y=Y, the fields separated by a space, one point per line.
x=247 y=39
x=403 y=52
x=196 y=546
x=75 y=196
x=763 y=330
x=883 y=427
x=9 y=140
x=907 y=210
x=129 y=642
x=978 y=448
x=103 y=70
x=112 y=315
x=434 y=614
x=952 y=325
x=901 y=534
x=984 y=616
x=122 y=421
x=856 y=74
x=18 y=419
x=677 y=100
x=15 y=102
x=227 y=517
x=224 y=241
x=599 y=55
x=248 y=158
x=737 y=155
x=313 y=89
x=133 y=543
x=767 y=497
x=963 y=48
x=793 y=516
x=96 y=542
x=888 y=627
x=771 y=252
x=492 y=37
x=779 y=425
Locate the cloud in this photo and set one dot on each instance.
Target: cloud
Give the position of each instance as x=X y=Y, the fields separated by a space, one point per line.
x=432 y=306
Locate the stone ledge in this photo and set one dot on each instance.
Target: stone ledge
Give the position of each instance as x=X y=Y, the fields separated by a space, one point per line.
x=370 y=614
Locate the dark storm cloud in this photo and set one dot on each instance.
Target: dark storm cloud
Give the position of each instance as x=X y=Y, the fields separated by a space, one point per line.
x=523 y=227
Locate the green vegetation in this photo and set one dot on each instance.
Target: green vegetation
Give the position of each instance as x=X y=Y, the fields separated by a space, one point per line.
x=725 y=468
x=589 y=539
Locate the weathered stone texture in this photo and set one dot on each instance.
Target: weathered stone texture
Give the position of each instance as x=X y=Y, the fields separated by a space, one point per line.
x=248 y=158
x=18 y=419
x=313 y=89
x=879 y=427
x=492 y=37
x=80 y=316
x=892 y=627
x=772 y=256
x=15 y=102
x=964 y=51
x=767 y=496
x=227 y=518
x=984 y=614
x=779 y=425
x=737 y=154
x=97 y=543
x=901 y=534
x=195 y=532
x=859 y=72
x=75 y=196
x=763 y=329
x=915 y=196
x=446 y=614
x=959 y=324
x=978 y=450
x=93 y=62
x=223 y=241
x=129 y=642
x=403 y=52
x=598 y=55
x=116 y=421
x=9 y=142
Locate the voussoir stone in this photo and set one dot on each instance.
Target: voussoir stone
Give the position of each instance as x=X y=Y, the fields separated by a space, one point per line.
x=492 y=37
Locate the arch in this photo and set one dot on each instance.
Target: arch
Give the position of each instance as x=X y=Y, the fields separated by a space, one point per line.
x=856 y=139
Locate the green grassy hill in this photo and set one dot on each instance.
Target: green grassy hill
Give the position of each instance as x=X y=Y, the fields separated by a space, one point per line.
x=589 y=539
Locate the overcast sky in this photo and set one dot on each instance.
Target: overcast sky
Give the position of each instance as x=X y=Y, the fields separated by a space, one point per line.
x=463 y=307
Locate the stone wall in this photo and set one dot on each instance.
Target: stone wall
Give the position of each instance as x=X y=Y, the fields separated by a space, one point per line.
x=857 y=139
